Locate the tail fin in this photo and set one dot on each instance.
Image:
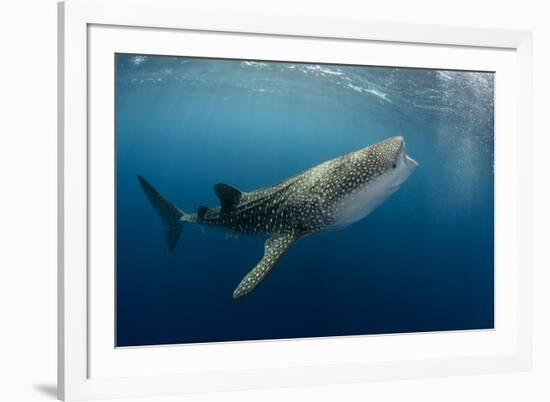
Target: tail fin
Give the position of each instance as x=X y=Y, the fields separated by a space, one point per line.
x=168 y=212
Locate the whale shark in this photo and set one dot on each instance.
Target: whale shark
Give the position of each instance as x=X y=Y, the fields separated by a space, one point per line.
x=329 y=196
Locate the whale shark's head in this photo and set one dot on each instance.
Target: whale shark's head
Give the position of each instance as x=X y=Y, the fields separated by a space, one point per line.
x=387 y=160
x=362 y=180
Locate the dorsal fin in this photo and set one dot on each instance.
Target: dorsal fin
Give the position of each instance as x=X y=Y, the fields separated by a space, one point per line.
x=229 y=196
x=201 y=211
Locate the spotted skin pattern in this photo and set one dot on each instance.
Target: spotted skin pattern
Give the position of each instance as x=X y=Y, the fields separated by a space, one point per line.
x=274 y=249
x=309 y=201
x=332 y=194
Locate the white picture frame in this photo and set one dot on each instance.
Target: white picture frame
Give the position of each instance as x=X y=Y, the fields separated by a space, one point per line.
x=78 y=344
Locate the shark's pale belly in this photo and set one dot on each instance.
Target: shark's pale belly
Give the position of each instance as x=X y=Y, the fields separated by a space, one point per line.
x=361 y=203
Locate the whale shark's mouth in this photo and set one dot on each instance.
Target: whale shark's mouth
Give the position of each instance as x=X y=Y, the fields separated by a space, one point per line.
x=410 y=161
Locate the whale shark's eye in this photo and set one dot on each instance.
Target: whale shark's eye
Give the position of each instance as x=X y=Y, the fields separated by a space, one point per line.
x=394 y=166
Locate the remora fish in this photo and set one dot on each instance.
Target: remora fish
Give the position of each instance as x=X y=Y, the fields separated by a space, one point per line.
x=331 y=195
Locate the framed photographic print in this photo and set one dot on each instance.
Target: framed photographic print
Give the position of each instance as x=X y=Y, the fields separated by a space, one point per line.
x=257 y=201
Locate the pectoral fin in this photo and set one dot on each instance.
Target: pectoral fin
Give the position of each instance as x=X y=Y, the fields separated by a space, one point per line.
x=274 y=248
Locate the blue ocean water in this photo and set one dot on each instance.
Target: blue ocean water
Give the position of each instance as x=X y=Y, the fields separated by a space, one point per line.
x=423 y=261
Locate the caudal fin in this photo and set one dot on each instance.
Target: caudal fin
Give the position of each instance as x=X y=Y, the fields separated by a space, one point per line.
x=170 y=215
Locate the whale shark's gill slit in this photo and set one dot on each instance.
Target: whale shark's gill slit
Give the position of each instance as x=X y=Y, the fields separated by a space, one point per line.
x=281 y=206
